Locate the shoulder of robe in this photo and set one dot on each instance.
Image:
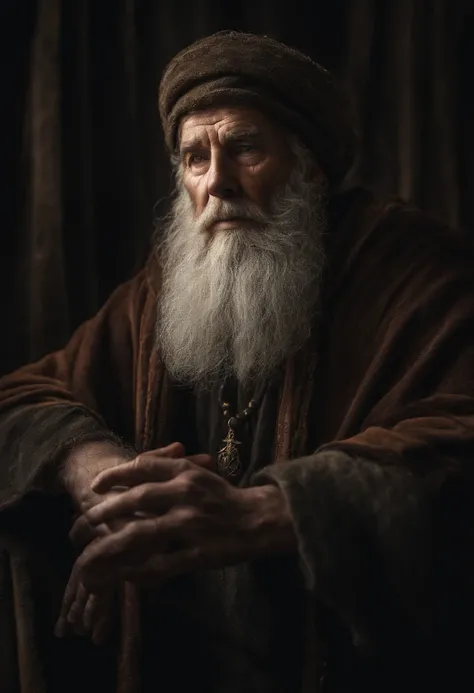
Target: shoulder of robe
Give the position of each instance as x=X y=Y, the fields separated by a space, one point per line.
x=130 y=298
x=384 y=236
x=152 y=274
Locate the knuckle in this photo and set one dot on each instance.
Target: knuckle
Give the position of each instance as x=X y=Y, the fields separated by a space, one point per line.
x=127 y=537
x=182 y=465
x=188 y=515
x=138 y=533
x=81 y=563
x=193 y=476
x=147 y=459
x=131 y=532
x=145 y=493
x=138 y=462
x=189 y=484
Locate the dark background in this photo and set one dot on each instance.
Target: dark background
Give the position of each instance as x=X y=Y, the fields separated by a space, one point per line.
x=81 y=156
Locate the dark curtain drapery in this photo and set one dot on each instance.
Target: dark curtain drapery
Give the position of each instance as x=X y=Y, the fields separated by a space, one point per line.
x=84 y=168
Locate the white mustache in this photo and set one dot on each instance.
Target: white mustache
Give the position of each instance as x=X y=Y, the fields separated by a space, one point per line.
x=219 y=210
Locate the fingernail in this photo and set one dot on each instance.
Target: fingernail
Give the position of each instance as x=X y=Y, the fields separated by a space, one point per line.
x=59 y=629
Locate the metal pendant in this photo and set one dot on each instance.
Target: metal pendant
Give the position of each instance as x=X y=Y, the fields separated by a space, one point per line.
x=228 y=458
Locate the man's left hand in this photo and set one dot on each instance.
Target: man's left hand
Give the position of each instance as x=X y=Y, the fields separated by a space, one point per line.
x=186 y=518
x=81 y=611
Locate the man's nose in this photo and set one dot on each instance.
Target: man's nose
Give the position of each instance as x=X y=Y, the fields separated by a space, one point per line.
x=222 y=180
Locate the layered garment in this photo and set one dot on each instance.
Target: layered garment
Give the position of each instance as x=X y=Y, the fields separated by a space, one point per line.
x=368 y=431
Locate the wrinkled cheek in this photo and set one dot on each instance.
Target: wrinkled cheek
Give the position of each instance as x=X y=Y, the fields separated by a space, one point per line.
x=197 y=193
x=263 y=198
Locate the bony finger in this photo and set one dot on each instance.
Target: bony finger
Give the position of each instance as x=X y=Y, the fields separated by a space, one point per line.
x=140 y=501
x=90 y=611
x=60 y=628
x=81 y=533
x=98 y=609
x=101 y=571
x=171 y=450
x=77 y=607
x=140 y=470
x=103 y=562
x=96 y=567
x=68 y=600
x=203 y=460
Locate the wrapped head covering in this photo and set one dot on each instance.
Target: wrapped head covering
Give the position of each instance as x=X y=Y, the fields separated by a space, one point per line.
x=233 y=68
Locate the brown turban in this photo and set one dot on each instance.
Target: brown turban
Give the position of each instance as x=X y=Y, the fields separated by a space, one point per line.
x=236 y=68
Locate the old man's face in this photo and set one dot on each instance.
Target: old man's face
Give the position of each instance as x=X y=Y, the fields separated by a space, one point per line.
x=242 y=251
x=237 y=155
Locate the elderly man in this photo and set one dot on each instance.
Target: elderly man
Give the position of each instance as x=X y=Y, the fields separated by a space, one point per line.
x=262 y=443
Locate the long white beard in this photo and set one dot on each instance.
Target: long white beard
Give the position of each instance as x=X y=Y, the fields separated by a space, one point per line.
x=239 y=302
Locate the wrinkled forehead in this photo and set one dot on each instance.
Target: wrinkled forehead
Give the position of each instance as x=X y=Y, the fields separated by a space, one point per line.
x=227 y=124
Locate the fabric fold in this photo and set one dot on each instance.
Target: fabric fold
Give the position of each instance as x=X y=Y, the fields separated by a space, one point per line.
x=363 y=536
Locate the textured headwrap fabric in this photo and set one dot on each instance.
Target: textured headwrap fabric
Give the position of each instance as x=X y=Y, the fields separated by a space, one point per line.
x=231 y=68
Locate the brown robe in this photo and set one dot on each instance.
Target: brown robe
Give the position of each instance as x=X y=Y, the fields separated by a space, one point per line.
x=372 y=430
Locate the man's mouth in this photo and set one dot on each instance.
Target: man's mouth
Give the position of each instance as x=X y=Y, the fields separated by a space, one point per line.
x=230 y=222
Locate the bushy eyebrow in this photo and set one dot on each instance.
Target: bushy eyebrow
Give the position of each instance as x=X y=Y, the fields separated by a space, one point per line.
x=191 y=144
x=242 y=134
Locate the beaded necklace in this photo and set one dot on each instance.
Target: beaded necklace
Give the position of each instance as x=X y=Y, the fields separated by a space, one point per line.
x=228 y=458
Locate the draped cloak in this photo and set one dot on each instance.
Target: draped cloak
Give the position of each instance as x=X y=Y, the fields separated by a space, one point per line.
x=369 y=432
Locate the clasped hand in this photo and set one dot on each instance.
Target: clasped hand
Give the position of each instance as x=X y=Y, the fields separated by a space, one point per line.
x=175 y=516
x=83 y=611
x=178 y=517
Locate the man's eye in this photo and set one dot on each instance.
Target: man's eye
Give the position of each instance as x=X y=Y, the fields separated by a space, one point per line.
x=245 y=148
x=196 y=159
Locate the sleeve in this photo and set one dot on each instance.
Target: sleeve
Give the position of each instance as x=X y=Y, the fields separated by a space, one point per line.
x=385 y=516
x=81 y=393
